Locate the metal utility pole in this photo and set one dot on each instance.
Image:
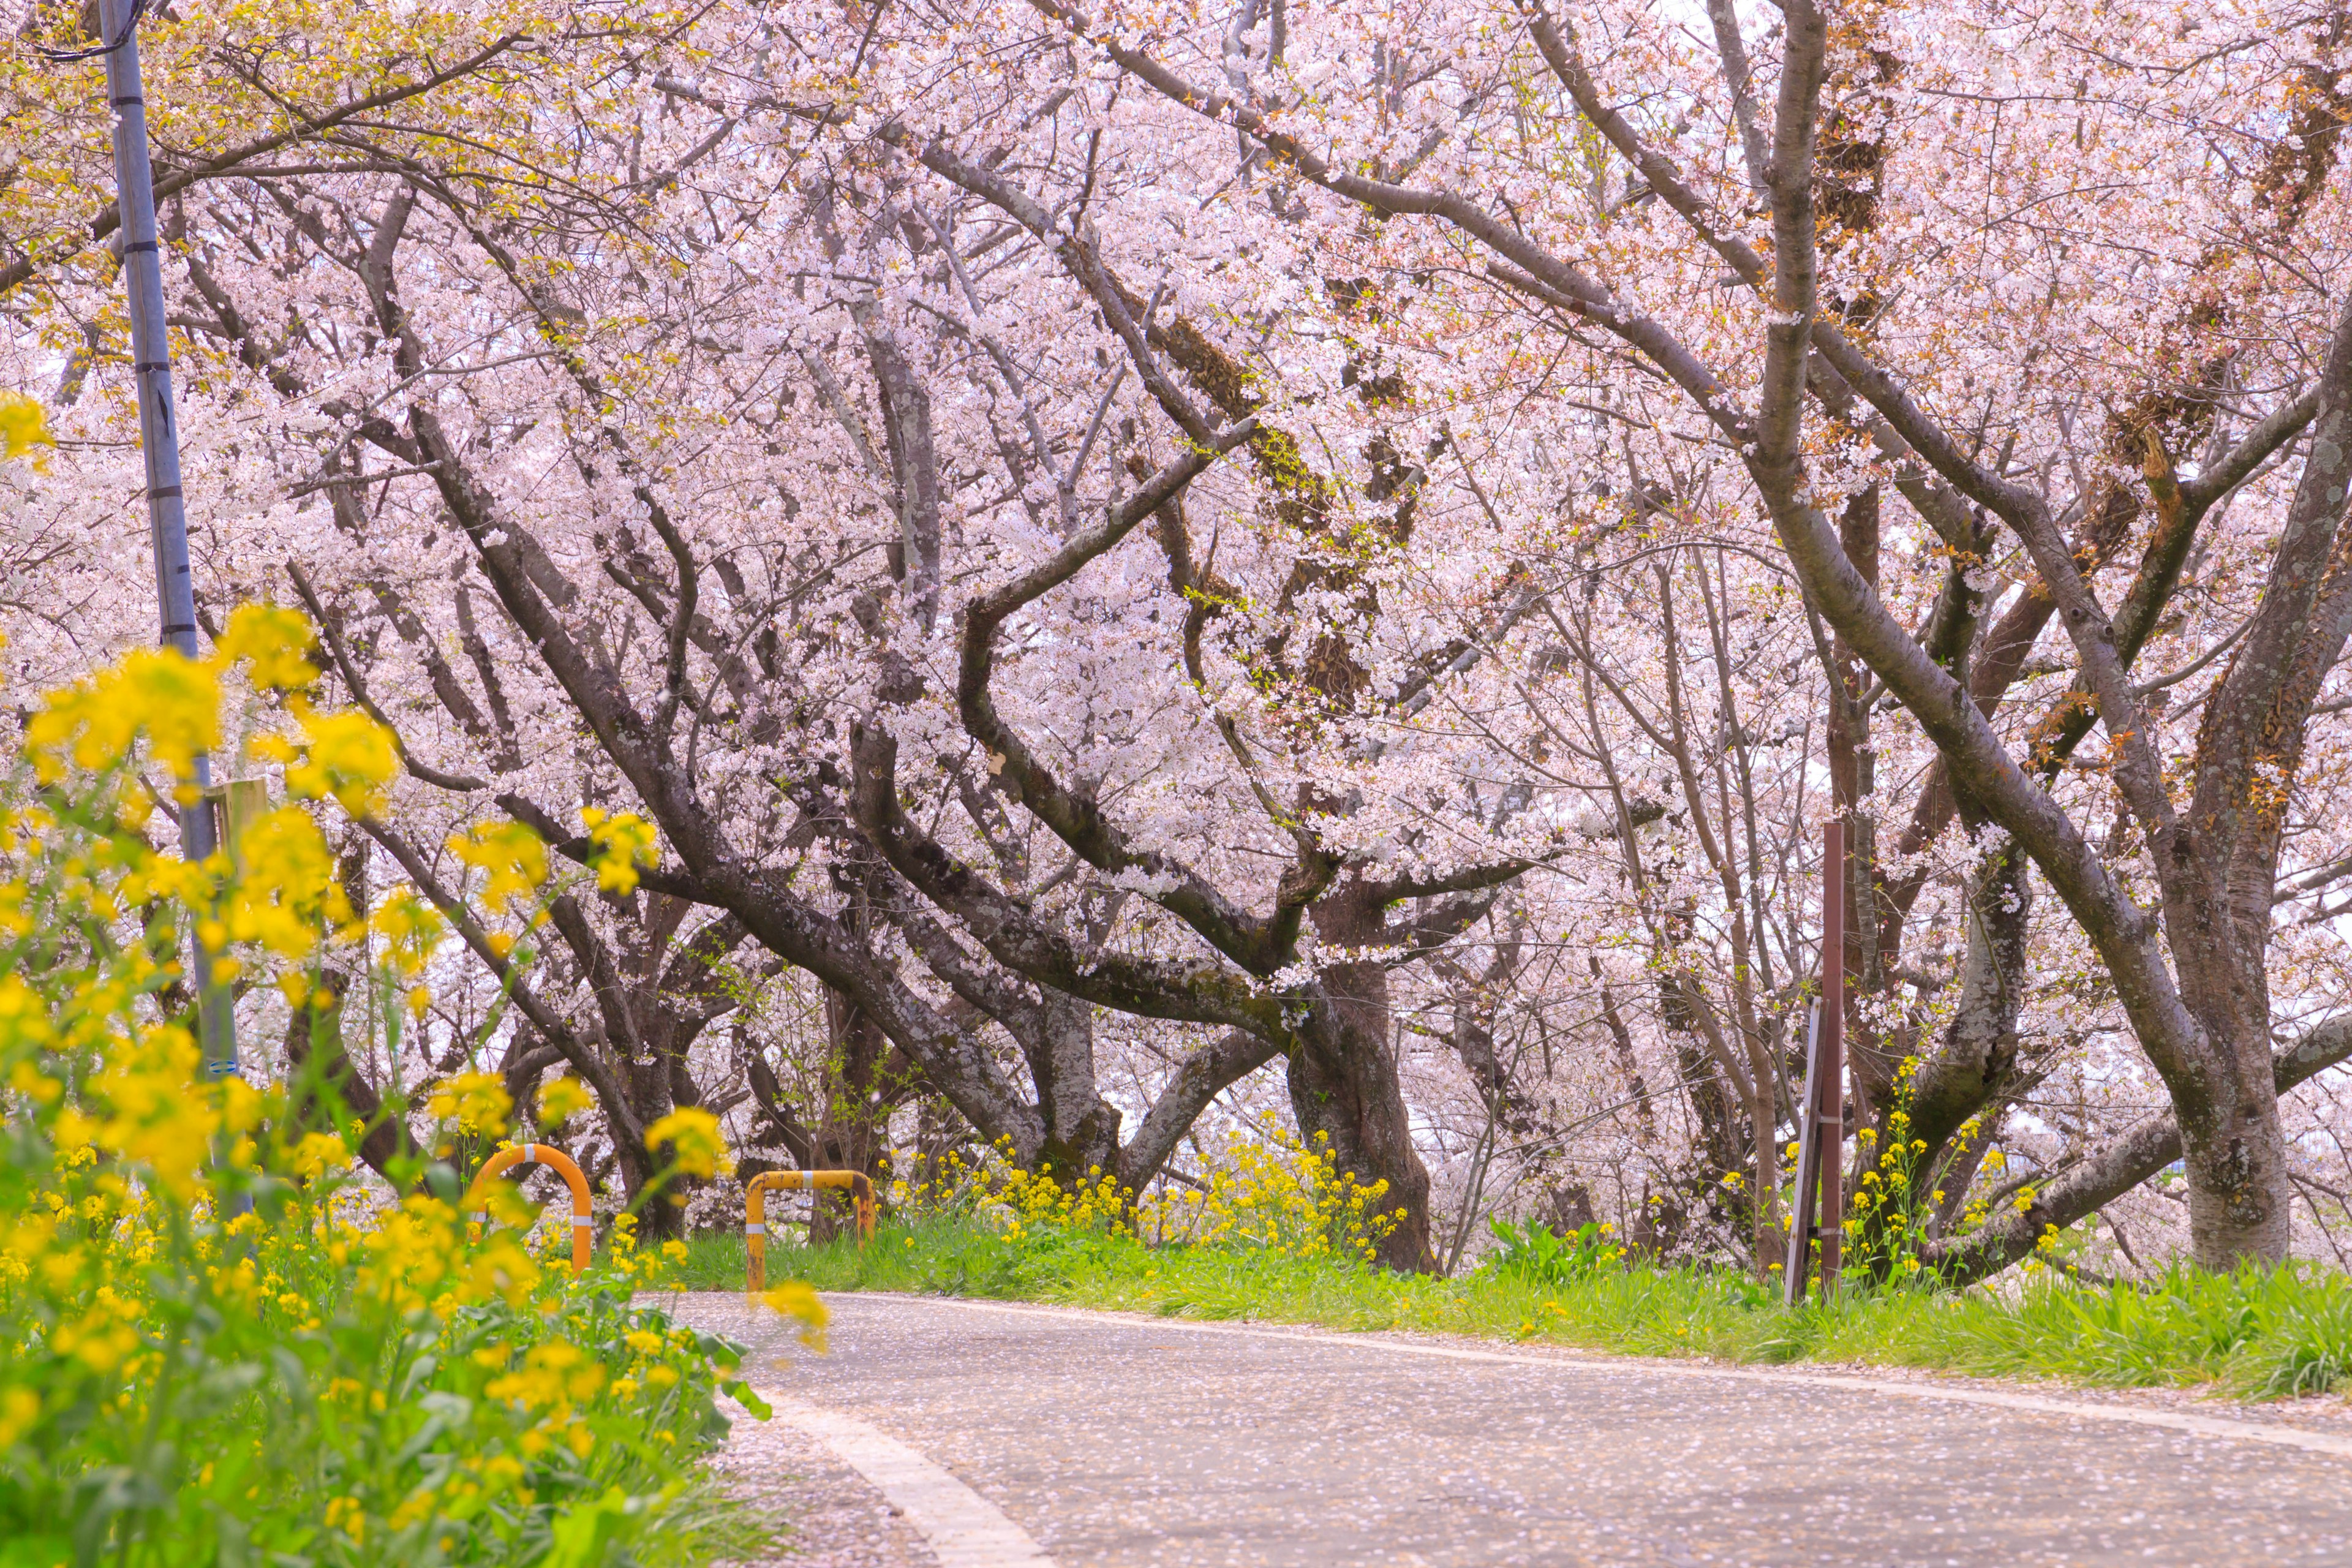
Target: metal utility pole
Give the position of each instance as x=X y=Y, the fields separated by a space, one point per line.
x=1820 y=1109
x=159 y=443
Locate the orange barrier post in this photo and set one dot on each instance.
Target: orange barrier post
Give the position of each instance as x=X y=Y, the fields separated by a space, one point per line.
x=755 y=1208
x=556 y=1159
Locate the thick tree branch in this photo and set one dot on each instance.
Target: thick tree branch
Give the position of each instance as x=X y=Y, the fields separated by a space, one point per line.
x=551 y=1025
x=1203 y=992
x=1260 y=946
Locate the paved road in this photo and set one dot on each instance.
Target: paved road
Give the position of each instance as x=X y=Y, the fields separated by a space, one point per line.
x=1128 y=1441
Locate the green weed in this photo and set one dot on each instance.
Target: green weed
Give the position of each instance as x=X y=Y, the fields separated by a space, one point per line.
x=2254 y=1333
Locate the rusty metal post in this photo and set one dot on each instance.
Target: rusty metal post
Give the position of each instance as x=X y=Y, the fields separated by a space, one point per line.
x=858 y=1183
x=1829 y=1098
x=1808 y=1168
x=1817 y=1207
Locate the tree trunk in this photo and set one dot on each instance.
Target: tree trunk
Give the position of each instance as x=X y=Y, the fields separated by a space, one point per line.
x=2234 y=1144
x=1343 y=1081
x=853 y=1134
x=1081 y=1127
x=659 y=1206
x=1345 y=1095
x=1977 y=1057
x=321 y=1075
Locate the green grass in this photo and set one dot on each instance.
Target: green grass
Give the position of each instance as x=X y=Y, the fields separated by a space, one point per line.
x=2254 y=1333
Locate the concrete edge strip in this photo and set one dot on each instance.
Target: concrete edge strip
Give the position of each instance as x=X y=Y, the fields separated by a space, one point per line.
x=964 y=1529
x=2202 y=1425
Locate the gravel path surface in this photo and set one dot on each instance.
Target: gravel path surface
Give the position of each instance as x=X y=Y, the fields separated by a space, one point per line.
x=1129 y=1441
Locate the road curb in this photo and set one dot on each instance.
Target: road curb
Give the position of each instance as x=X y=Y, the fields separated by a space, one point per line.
x=964 y=1529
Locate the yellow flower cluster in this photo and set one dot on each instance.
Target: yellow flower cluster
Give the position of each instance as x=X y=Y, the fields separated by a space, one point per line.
x=273 y=1368
x=691 y=1137
x=344 y=755
x=286 y=890
x=797 y=1300
x=152 y=694
x=560 y=1100
x=275 y=643
x=407 y=929
x=1271 y=1189
x=1895 y=1203
x=23 y=427
x=623 y=845
x=476 y=1101
x=512 y=858
x=1889 y=1222
x=1264 y=1189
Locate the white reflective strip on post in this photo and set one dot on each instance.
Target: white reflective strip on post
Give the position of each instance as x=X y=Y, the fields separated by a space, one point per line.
x=583 y=1220
x=755 y=1230
x=481 y=1218
x=530 y=1154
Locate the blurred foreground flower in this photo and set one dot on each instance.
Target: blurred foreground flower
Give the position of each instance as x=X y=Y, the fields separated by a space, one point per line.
x=798 y=1300
x=692 y=1138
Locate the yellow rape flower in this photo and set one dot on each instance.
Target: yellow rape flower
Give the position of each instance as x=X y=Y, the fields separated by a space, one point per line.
x=172 y=700
x=100 y=1338
x=478 y=1100
x=347 y=755
x=317 y=1155
x=157 y=1114
x=551 y=1375
x=345 y=1514
x=287 y=887
x=796 y=1299
x=34 y=1084
x=409 y=928
x=19 y=1408
x=560 y=1100
x=275 y=642
x=499 y=1267
x=23 y=424
x=512 y=856
x=242 y=1109
x=692 y=1137
x=624 y=842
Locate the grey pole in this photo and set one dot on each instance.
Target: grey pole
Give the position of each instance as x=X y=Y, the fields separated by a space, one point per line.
x=159 y=442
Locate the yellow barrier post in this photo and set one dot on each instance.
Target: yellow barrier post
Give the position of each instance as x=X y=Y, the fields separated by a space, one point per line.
x=755 y=1209
x=556 y=1159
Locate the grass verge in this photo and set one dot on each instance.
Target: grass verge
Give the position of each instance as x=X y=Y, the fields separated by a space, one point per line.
x=2251 y=1334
